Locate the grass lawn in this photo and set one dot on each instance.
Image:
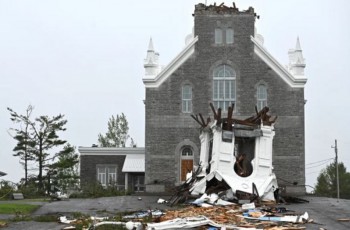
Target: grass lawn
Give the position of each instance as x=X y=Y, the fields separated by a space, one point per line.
x=17 y=208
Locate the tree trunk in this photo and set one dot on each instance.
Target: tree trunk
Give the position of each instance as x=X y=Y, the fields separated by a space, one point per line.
x=25 y=167
x=40 y=159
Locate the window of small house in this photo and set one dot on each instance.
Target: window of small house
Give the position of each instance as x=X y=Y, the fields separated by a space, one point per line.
x=261 y=97
x=218 y=36
x=186 y=99
x=107 y=174
x=229 y=36
x=224 y=87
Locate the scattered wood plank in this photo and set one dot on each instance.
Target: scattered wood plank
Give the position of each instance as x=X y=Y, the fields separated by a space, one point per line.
x=344 y=219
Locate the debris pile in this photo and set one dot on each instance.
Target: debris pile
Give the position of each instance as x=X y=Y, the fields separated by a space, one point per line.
x=235 y=155
x=231 y=217
x=205 y=212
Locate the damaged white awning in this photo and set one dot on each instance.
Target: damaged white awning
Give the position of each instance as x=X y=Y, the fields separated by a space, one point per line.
x=134 y=163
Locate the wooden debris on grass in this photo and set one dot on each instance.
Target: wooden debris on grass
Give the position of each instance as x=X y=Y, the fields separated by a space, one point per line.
x=3 y=224
x=230 y=216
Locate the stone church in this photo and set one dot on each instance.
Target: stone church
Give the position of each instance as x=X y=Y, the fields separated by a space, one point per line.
x=224 y=62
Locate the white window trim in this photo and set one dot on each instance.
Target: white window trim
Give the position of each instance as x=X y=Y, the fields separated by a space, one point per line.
x=230 y=38
x=218 y=36
x=104 y=175
x=186 y=102
x=261 y=101
x=224 y=80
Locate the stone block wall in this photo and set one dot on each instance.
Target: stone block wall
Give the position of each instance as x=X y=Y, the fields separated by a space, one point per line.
x=167 y=126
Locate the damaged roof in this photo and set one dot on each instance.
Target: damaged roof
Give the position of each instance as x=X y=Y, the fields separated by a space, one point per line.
x=134 y=163
x=221 y=9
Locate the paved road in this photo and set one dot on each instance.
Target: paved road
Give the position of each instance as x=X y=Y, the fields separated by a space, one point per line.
x=102 y=206
x=324 y=211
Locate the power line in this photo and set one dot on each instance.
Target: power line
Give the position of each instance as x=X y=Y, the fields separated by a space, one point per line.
x=320 y=161
x=318 y=165
x=312 y=172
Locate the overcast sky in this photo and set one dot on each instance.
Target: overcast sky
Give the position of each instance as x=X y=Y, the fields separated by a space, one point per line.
x=84 y=59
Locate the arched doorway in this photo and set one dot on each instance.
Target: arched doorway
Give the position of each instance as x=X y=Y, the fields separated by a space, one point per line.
x=186 y=162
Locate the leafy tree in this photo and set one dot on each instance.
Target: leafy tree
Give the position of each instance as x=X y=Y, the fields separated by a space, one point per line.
x=117 y=133
x=65 y=171
x=42 y=135
x=327 y=182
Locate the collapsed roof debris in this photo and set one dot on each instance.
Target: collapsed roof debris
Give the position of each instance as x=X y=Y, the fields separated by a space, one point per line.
x=223 y=9
x=216 y=213
x=230 y=217
x=235 y=155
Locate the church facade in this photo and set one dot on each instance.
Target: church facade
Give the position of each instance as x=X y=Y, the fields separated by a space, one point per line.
x=224 y=62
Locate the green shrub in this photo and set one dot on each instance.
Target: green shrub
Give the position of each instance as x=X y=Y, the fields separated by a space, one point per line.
x=29 y=191
x=46 y=218
x=6 y=189
x=20 y=218
x=79 y=215
x=94 y=190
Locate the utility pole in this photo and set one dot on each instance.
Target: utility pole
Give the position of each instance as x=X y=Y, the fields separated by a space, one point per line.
x=336 y=165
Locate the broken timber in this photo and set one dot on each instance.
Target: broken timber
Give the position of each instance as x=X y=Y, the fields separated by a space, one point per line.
x=235 y=154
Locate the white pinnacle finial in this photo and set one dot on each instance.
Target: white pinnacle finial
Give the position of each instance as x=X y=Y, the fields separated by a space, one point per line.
x=297 y=46
x=296 y=60
x=151 y=62
x=150 y=45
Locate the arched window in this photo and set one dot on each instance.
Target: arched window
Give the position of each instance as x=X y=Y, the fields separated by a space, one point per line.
x=186 y=99
x=229 y=36
x=187 y=152
x=224 y=87
x=218 y=36
x=261 y=96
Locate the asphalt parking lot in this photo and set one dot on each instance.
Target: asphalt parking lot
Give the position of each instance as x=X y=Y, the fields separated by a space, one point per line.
x=324 y=211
